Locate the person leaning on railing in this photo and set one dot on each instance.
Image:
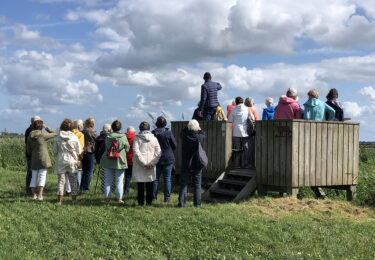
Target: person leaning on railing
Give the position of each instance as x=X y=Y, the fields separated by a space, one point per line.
x=316 y=109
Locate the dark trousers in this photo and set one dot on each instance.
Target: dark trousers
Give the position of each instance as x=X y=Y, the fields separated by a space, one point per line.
x=128 y=177
x=209 y=113
x=28 y=174
x=141 y=192
x=87 y=170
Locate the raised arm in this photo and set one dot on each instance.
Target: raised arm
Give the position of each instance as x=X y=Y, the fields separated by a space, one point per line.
x=51 y=134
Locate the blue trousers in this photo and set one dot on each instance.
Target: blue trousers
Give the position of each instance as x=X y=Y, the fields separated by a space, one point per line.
x=119 y=179
x=166 y=170
x=196 y=177
x=209 y=113
x=87 y=170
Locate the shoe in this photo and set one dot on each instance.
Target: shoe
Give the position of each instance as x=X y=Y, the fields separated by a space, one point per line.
x=40 y=198
x=120 y=202
x=167 y=200
x=35 y=197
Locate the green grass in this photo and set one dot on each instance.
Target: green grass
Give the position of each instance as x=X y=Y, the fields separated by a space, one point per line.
x=265 y=228
x=261 y=228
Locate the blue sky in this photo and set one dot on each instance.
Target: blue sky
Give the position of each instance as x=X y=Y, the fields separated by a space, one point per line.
x=121 y=59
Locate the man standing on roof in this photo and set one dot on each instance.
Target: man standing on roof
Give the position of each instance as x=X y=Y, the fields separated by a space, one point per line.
x=209 y=101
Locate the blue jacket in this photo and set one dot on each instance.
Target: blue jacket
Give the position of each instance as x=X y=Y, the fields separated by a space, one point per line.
x=318 y=110
x=268 y=113
x=209 y=95
x=167 y=144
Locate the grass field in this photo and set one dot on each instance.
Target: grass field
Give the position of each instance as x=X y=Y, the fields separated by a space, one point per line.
x=260 y=228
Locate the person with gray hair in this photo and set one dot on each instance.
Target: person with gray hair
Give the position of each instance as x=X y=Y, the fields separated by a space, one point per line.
x=191 y=136
x=269 y=111
x=288 y=107
x=249 y=102
x=28 y=156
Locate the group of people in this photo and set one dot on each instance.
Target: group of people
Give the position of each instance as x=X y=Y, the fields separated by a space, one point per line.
x=143 y=157
x=241 y=112
x=147 y=155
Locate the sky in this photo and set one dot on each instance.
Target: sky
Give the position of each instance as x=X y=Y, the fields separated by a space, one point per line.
x=127 y=59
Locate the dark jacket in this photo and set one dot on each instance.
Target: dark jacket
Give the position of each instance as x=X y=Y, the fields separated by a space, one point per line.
x=167 y=144
x=196 y=115
x=100 y=146
x=90 y=136
x=339 y=111
x=37 y=147
x=27 y=133
x=189 y=144
x=209 y=95
x=268 y=113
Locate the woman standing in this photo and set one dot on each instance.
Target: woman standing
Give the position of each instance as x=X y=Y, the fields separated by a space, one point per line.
x=332 y=101
x=37 y=147
x=146 y=155
x=88 y=157
x=190 y=136
x=66 y=148
x=114 y=161
x=167 y=144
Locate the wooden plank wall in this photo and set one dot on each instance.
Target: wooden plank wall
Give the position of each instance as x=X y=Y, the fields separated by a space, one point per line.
x=218 y=145
x=300 y=153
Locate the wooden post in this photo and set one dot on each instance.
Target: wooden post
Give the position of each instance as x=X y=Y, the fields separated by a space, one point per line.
x=351 y=192
x=293 y=192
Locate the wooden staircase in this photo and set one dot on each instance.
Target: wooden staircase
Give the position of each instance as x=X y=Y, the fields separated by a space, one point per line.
x=234 y=185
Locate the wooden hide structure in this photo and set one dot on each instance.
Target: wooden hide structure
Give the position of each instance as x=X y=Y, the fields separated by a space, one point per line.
x=218 y=146
x=297 y=153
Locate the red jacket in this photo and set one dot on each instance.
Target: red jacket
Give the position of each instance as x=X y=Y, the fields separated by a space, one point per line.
x=288 y=108
x=129 y=155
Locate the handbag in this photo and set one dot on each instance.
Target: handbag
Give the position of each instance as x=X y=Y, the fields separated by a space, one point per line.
x=199 y=159
x=250 y=124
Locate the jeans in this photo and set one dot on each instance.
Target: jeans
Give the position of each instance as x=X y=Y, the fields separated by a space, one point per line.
x=79 y=178
x=128 y=177
x=119 y=178
x=209 y=113
x=28 y=174
x=166 y=170
x=87 y=170
x=196 y=176
x=244 y=144
x=141 y=192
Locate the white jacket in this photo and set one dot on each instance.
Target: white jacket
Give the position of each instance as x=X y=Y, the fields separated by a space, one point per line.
x=66 y=159
x=146 y=150
x=239 y=116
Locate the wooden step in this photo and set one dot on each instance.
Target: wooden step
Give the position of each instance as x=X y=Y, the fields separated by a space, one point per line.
x=220 y=191
x=242 y=172
x=233 y=182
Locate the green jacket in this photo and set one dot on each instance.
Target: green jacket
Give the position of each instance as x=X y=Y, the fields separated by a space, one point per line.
x=123 y=147
x=36 y=146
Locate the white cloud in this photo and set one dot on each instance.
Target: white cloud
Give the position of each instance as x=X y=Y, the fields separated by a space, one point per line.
x=352 y=109
x=39 y=79
x=368 y=91
x=25 y=38
x=153 y=33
